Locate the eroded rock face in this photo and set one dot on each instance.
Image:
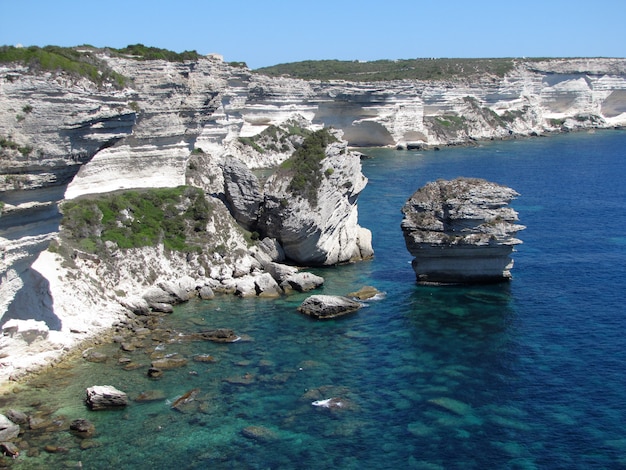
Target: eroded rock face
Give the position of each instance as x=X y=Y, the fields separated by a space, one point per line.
x=242 y=192
x=326 y=231
x=461 y=231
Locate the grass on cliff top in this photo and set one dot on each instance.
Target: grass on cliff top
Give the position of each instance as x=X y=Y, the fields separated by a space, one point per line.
x=305 y=166
x=384 y=70
x=276 y=138
x=81 y=63
x=141 y=52
x=176 y=217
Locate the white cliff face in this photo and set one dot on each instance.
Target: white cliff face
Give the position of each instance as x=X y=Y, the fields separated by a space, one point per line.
x=325 y=232
x=175 y=123
x=461 y=231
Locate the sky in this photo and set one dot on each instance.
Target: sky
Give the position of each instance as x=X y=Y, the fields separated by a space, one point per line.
x=269 y=32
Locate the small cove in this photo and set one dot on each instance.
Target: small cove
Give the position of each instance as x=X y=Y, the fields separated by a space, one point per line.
x=520 y=375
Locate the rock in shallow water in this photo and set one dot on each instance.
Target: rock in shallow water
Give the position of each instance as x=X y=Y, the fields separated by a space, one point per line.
x=328 y=306
x=461 y=231
x=103 y=397
x=8 y=429
x=82 y=428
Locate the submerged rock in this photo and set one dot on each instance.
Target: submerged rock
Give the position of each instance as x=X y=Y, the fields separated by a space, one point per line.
x=150 y=395
x=82 y=428
x=259 y=433
x=461 y=231
x=168 y=363
x=328 y=306
x=219 y=335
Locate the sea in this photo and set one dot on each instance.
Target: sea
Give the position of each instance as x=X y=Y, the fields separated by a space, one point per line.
x=529 y=374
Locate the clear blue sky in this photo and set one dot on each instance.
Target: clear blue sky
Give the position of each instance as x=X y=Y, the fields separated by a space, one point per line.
x=268 y=32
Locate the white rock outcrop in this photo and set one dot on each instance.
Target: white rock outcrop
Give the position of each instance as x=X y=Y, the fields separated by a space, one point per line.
x=324 y=231
x=461 y=231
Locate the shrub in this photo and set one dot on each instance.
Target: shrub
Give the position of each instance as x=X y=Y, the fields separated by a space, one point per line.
x=63 y=59
x=141 y=52
x=134 y=219
x=412 y=69
x=305 y=165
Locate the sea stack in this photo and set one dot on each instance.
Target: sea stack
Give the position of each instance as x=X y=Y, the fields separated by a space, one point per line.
x=461 y=231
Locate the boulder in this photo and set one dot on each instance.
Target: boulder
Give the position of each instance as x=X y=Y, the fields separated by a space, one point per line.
x=268 y=250
x=242 y=192
x=206 y=293
x=94 y=356
x=245 y=287
x=304 y=282
x=161 y=307
x=461 y=231
x=364 y=293
x=187 y=284
x=158 y=295
x=182 y=403
x=137 y=305
x=8 y=429
x=219 y=335
x=179 y=293
x=266 y=286
x=155 y=373
x=280 y=272
x=27 y=330
x=9 y=449
x=151 y=395
x=323 y=307
x=105 y=397
x=18 y=417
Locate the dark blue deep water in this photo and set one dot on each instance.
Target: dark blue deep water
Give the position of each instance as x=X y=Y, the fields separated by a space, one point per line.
x=529 y=374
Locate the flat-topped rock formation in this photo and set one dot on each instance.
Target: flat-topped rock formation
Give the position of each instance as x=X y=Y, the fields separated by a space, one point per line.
x=461 y=231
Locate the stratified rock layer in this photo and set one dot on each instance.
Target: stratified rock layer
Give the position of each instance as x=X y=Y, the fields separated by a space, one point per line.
x=461 y=231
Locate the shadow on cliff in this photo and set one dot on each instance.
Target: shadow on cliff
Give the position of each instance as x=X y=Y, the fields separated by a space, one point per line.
x=33 y=301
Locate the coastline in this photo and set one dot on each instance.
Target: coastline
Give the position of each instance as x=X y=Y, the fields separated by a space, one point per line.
x=30 y=360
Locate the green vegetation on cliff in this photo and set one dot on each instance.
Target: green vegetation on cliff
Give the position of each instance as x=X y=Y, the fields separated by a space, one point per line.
x=80 y=62
x=305 y=166
x=176 y=217
x=141 y=52
x=382 y=70
x=280 y=139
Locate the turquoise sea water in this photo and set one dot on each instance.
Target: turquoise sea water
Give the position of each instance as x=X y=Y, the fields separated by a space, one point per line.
x=528 y=374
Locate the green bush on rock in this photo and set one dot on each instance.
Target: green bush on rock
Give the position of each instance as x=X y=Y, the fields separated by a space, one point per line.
x=305 y=164
x=175 y=217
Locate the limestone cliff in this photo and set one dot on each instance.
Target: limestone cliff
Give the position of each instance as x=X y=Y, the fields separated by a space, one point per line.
x=461 y=231
x=317 y=221
x=64 y=136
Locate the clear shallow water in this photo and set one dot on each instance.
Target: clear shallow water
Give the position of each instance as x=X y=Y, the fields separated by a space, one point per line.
x=528 y=374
